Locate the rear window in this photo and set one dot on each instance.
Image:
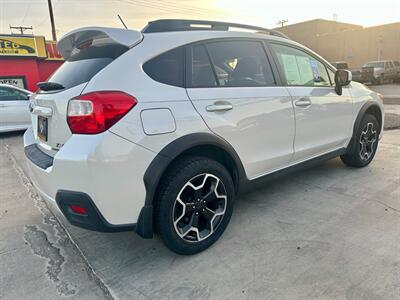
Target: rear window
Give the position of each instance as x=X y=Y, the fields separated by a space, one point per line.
x=375 y=65
x=167 y=67
x=82 y=66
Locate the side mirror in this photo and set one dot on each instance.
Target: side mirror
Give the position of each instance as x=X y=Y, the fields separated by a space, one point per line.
x=342 y=78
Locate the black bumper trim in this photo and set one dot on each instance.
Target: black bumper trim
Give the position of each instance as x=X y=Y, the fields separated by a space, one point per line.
x=38 y=157
x=94 y=220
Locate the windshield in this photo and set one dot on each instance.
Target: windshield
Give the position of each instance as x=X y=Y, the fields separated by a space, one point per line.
x=376 y=64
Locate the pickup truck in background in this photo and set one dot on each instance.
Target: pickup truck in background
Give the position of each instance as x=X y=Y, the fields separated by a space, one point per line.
x=380 y=72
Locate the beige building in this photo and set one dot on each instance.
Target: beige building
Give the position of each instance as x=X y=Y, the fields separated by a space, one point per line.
x=355 y=44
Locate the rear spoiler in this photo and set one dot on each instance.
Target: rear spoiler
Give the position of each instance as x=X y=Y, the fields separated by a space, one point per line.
x=70 y=43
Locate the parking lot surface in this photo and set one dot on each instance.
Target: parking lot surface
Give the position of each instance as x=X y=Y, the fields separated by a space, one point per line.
x=329 y=232
x=391 y=100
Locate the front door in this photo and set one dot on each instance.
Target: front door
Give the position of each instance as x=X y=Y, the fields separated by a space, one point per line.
x=232 y=86
x=323 y=118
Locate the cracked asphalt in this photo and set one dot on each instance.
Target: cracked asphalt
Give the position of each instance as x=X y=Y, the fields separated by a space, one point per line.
x=329 y=232
x=38 y=260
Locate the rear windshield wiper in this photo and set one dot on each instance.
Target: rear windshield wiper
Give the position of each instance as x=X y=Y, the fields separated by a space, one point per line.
x=50 y=86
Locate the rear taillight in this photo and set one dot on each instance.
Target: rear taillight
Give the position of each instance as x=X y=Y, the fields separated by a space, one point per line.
x=97 y=111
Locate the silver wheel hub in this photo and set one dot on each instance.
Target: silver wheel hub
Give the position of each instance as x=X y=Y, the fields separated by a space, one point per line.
x=199 y=207
x=367 y=141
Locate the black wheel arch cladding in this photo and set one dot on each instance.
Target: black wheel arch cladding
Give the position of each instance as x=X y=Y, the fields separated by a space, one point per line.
x=178 y=147
x=369 y=107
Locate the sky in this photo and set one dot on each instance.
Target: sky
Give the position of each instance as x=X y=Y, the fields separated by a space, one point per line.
x=70 y=14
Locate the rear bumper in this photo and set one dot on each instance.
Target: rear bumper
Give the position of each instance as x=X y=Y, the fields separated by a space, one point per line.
x=103 y=172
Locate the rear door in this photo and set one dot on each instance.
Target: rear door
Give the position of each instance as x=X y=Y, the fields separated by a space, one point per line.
x=232 y=85
x=14 y=111
x=323 y=118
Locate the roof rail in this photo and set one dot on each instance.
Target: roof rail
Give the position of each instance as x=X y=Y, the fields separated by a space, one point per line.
x=167 y=25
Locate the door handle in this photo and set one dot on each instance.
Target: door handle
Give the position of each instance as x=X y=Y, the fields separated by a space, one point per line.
x=303 y=102
x=219 y=106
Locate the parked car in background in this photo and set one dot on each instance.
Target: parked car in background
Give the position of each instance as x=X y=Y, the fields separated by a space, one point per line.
x=14 y=108
x=397 y=65
x=379 y=72
x=357 y=75
x=341 y=65
x=167 y=124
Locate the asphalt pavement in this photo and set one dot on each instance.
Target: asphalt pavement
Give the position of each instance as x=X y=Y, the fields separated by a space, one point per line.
x=391 y=101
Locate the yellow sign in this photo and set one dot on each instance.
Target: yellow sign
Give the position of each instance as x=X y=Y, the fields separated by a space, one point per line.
x=22 y=46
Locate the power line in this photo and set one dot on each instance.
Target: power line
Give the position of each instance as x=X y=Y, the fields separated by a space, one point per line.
x=169 y=8
x=26 y=12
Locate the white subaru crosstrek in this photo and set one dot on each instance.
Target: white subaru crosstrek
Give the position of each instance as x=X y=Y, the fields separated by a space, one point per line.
x=156 y=131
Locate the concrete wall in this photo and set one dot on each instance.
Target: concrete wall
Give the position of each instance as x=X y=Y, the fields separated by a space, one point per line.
x=337 y=41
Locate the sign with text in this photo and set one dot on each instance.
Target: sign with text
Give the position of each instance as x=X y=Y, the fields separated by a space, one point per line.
x=18 y=81
x=22 y=46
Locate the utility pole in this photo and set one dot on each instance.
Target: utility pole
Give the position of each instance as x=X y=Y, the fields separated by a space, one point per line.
x=282 y=22
x=53 y=26
x=21 y=29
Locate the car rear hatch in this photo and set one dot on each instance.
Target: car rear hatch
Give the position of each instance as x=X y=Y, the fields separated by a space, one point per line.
x=87 y=51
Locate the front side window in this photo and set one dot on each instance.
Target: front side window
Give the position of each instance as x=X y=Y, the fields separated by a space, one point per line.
x=300 y=68
x=167 y=68
x=240 y=64
x=7 y=94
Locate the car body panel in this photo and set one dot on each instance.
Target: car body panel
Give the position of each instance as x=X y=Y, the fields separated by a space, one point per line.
x=104 y=166
x=250 y=127
x=323 y=126
x=14 y=113
x=56 y=104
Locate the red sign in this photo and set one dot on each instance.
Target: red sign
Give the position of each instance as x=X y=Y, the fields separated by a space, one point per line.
x=52 y=51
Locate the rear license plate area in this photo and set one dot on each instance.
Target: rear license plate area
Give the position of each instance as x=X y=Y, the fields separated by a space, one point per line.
x=42 y=129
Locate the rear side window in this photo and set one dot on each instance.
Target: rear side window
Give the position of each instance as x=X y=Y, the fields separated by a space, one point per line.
x=82 y=66
x=167 y=68
x=396 y=63
x=240 y=64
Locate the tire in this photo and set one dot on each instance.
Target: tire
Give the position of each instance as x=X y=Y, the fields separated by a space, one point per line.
x=176 y=221
x=366 y=138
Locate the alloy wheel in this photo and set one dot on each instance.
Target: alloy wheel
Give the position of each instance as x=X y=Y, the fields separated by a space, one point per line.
x=367 y=141
x=199 y=208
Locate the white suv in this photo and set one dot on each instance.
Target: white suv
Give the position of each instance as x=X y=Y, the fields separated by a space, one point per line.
x=158 y=130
